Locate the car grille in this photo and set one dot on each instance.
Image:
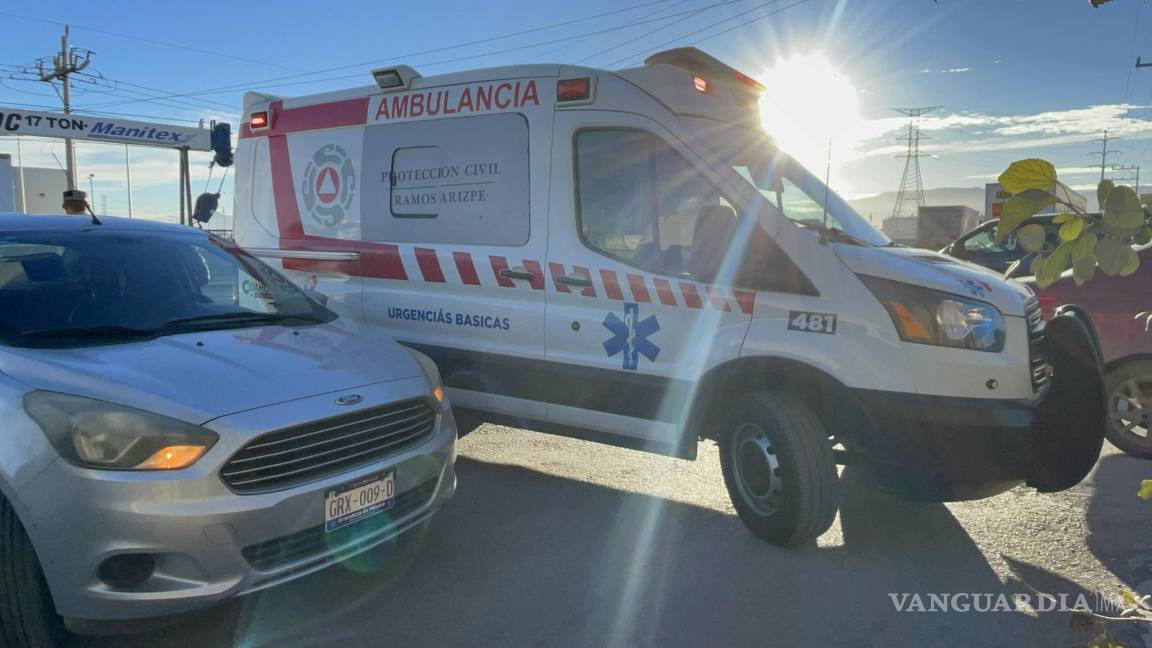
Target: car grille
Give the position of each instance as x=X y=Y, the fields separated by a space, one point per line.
x=1040 y=367
x=305 y=453
x=315 y=541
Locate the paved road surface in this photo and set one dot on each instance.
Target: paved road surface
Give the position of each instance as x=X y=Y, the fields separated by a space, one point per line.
x=555 y=542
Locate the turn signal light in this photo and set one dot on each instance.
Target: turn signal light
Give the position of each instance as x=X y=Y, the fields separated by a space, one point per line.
x=258 y=120
x=173 y=458
x=913 y=329
x=438 y=394
x=573 y=89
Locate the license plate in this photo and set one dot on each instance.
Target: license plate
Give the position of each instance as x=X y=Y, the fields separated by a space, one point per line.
x=349 y=503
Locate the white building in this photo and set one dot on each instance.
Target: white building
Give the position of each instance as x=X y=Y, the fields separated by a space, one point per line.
x=44 y=187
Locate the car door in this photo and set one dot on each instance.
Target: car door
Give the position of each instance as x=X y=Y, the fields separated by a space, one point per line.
x=636 y=314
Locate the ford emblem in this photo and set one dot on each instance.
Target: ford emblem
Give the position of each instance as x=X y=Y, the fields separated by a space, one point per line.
x=349 y=399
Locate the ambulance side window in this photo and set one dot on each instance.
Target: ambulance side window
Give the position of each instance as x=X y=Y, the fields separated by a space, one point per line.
x=641 y=202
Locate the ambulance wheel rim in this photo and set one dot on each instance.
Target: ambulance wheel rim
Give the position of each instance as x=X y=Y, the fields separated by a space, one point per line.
x=1130 y=409
x=757 y=468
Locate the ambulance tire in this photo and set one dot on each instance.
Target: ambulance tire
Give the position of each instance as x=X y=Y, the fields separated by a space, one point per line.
x=27 y=615
x=779 y=468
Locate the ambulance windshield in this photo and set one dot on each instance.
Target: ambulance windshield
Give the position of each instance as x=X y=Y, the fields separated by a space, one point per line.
x=789 y=188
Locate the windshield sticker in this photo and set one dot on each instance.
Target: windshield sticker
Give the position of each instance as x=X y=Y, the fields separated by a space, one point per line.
x=630 y=336
x=812 y=322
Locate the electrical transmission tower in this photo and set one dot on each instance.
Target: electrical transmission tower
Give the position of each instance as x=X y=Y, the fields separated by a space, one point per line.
x=910 y=198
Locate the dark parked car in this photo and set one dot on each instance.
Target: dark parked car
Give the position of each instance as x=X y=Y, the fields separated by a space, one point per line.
x=1113 y=303
x=979 y=246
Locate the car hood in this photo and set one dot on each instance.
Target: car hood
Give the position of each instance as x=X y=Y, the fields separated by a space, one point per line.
x=200 y=376
x=936 y=271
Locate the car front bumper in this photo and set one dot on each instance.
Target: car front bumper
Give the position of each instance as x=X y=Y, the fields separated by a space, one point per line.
x=208 y=543
x=937 y=448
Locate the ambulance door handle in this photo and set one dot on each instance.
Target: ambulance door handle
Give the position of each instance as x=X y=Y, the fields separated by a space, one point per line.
x=517 y=273
x=573 y=280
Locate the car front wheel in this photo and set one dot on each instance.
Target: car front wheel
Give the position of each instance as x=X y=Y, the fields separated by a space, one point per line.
x=779 y=468
x=28 y=618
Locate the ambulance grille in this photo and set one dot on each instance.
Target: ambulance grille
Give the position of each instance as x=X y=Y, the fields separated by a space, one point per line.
x=312 y=451
x=1040 y=367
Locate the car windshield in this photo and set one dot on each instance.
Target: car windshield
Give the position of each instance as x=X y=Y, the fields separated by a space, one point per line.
x=788 y=188
x=96 y=286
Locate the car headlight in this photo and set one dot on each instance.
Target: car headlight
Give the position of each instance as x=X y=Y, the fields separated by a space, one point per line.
x=926 y=316
x=98 y=434
x=432 y=373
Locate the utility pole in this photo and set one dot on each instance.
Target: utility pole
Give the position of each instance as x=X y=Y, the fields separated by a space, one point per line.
x=910 y=198
x=1103 y=153
x=1133 y=168
x=65 y=64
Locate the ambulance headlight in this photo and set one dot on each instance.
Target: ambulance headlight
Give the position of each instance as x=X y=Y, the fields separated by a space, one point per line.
x=926 y=316
x=432 y=373
x=98 y=434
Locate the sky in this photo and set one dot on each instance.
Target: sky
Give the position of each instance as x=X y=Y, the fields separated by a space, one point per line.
x=1013 y=78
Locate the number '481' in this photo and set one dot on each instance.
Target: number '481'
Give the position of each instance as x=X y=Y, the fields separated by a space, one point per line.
x=812 y=322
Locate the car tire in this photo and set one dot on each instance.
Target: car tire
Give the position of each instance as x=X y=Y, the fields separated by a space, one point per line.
x=779 y=468
x=1132 y=380
x=27 y=615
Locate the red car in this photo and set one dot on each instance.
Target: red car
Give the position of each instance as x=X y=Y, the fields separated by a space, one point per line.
x=1113 y=303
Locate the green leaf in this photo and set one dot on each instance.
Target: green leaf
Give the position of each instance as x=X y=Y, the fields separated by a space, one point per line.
x=1084 y=249
x=1062 y=218
x=1145 y=236
x=1083 y=271
x=1033 y=173
x=1112 y=255
x=1071 y=230
x=1049 y=273
x=1122 y=211
x=1020 y=208
x=1102 y=190
x=1060 y=257
x=1031 y=237
x=1145 y=489
x=1131 y=265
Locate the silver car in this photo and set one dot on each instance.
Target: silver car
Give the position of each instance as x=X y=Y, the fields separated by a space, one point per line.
x=181 y=424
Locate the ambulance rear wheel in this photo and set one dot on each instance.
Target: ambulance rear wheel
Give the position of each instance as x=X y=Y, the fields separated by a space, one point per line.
x=779 y=468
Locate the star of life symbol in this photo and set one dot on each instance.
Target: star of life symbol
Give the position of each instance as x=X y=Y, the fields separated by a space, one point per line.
x=329 y=185
x=977 y=288
x=630 y=336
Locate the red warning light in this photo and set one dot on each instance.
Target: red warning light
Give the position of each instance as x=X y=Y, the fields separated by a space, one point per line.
x=573 y=89
x=258 y=120
x=700 y=84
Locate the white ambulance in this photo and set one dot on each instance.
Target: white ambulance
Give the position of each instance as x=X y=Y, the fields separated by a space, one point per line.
x=626 y=257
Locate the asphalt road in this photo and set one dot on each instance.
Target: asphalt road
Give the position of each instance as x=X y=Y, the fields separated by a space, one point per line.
x=555 y=542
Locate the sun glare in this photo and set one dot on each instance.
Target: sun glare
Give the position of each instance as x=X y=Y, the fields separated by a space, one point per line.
x=806 y=103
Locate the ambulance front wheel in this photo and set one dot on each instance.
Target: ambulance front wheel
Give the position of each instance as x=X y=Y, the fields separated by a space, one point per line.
x=779 y=468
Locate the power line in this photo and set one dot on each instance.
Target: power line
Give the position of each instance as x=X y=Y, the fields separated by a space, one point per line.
x=651 y=32
x=274 y=81
x=628 y=23
x=150 y=89
x=715 y=24
x=151 y=41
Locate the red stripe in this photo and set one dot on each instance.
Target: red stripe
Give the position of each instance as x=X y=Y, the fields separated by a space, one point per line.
x=718 y=298
x=611 y=285
x=500 y=263
x=691 y=297
x=382 y=261
x=349 y=112
x=639 y=290
x=664 y=291
x=590 y=290
x=429 y=265
x=466 y=269
x=537 y=281
x=557 y=270
x=746 y=299
x=284 y=190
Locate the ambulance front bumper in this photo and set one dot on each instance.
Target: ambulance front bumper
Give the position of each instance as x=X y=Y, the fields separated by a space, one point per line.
x=937 y=448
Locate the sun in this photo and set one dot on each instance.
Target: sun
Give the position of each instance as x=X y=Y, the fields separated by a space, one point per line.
x=806 y=103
